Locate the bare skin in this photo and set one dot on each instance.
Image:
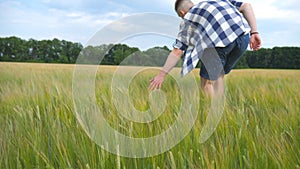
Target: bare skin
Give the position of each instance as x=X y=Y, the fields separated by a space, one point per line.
x=247 y=11
x=213 y=88
x=157 y=81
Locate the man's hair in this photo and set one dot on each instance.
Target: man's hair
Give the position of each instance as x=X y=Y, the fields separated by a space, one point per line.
x=181 y=5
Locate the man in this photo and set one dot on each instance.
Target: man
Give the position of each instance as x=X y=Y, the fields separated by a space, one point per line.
x=215 y=31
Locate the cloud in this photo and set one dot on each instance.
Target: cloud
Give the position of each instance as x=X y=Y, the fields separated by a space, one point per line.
x=90 y=6
x=276 y=33
x=62 y=4
x=71 y=24
x=274 y=9
x=137 y=25
x=78 y=20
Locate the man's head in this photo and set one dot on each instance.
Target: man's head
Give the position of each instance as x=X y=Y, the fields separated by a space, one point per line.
x=182 y=7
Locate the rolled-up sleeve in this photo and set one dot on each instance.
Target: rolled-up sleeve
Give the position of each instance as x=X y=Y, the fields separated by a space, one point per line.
x=237 y=4
x=184 y=35
x=179 y=45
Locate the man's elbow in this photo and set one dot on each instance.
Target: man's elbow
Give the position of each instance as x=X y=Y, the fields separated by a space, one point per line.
x=245 y=6
x=177 y=52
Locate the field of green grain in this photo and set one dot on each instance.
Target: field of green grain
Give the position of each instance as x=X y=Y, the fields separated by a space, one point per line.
x=260 y=127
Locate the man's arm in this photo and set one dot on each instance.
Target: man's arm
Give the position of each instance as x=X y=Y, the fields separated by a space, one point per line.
x=247 y=11
x=171 y=61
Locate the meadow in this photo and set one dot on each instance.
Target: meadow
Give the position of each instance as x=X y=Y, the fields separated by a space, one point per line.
x=260 y=127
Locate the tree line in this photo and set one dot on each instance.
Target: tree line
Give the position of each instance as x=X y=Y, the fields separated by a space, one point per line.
x=14 y=49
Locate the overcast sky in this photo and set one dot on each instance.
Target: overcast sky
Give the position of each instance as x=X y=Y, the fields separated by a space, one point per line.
x=79 y=20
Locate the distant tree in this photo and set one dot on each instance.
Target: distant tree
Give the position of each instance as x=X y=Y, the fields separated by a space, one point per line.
x=19 y=50
x=259 y=59
x=285 y=58
x=157 y=55
x=242 y=63
x=121 y=52
x=276 y=58
x=32 y=46
x=12 y=49
x=61 y=51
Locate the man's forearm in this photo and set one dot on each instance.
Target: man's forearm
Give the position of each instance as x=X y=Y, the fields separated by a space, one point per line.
x=172 y=60
x=247 y=10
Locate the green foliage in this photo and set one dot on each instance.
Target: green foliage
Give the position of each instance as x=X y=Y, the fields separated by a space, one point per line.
x=242 y=63
x=276 y=58
x=14 y=49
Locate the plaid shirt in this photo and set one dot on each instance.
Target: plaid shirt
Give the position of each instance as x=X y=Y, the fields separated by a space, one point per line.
x=211 y=23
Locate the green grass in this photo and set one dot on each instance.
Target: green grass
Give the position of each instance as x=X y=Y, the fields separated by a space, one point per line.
x=260 y=127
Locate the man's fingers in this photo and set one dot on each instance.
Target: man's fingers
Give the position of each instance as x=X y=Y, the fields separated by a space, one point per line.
x=159 y=86
x=255 y=42
x=156 y=83
x=152 y=86
x=254 y=45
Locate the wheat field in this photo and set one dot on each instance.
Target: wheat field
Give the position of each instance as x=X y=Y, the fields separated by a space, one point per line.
x=260 y=126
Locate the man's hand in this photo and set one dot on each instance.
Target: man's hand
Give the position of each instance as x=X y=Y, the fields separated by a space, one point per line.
x=171 y=61
x=247 y=11
x=157 y=81
x=255 y=42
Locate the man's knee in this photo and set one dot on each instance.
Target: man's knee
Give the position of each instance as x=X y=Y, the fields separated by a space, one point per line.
x=205 y=83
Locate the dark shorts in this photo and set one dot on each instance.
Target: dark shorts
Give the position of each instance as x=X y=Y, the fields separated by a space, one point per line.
x=221 y=60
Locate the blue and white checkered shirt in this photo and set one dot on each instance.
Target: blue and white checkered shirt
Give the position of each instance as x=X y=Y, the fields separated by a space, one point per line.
x=211 y=23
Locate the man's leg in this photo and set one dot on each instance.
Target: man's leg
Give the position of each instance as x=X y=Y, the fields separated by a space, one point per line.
x=219 y=86
x=208 y=87
x=213 y=88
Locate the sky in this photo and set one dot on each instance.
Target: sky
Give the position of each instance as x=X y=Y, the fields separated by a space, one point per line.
x=154 y=22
